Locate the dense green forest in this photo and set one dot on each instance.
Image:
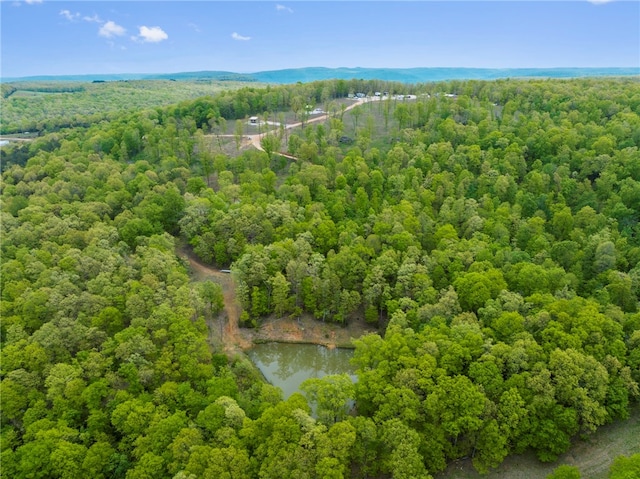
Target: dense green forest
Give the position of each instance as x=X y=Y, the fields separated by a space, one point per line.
x=489 y=229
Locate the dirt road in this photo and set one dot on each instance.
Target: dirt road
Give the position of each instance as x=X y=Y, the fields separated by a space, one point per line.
x=13 y=138
x=229 y=333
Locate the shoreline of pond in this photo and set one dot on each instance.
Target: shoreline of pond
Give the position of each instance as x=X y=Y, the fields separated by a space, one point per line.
x=307 y=330
x=288 y=365
x=256 y=342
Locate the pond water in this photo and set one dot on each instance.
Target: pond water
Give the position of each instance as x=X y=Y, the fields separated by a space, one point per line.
x=286 y=365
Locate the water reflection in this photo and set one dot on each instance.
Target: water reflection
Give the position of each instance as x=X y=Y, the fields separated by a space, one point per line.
x=287 y=365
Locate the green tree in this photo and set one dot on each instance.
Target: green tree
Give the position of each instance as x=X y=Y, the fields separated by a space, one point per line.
x=565 y=472
x=238 y=133
x=402 y=458
x=331 y=396
x=475 y=289
x=270 y=144
x=356 y=113
x=625 y=467
x=212 y=295
x=280 y=294
x=457 y=405
x=98 y=461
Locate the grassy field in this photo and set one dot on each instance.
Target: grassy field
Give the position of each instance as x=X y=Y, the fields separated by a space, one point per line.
x=36 y=103
x=593 y=455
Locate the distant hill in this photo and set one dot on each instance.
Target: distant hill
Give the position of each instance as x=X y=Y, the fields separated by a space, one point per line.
x=190 y=76
x=405 y=75
x=423 y=75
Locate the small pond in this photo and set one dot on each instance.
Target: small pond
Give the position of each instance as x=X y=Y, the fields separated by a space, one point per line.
x=286 y=365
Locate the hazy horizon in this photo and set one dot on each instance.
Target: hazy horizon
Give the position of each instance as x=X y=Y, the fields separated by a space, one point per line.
x=313 y=73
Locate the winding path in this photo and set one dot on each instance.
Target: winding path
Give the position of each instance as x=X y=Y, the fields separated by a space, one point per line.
x=232 y=336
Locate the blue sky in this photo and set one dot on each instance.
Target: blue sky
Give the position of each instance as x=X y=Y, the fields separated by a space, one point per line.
x=40 y=37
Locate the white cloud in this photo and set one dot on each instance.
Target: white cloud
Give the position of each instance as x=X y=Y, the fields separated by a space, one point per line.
x=194 y=27
x=31 y=2
x=282 y=8
x=599 y=2
x=94 y=19
x=111 y=29
x=152 y=34
x=69 y=16
x=237 y=36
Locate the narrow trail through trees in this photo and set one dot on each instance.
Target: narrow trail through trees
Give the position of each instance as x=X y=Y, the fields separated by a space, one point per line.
x=232 y=338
